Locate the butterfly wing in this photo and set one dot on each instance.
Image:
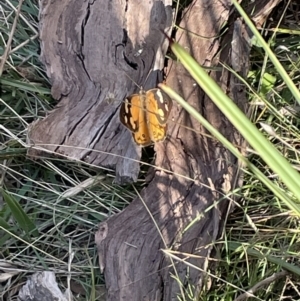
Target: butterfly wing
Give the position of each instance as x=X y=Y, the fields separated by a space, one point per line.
x=142 y=136
x=132 y=115
x=130 y=112
x=158 y=107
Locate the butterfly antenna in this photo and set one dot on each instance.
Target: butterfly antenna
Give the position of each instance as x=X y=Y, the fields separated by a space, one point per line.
x=148 y=76
x=133 y=80
x=140 y=87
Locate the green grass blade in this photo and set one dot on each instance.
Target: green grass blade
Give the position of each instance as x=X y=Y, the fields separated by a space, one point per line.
x=279 y=193
x=37 y=88
x=20 y=216
x=267 y=151
x=238 y=247
x=293 y=89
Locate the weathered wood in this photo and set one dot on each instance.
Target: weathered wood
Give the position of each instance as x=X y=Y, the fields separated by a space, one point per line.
x=43 y=286
x=129 y=244
x=89 y=48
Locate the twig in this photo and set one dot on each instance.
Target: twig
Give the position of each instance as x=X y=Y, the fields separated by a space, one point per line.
x=5 y=54
x=257 y=286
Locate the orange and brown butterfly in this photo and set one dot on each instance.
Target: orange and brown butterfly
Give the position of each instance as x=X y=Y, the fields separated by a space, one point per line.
x=146 y=114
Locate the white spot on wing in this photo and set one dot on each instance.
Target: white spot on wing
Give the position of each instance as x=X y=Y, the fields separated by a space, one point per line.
x=160 y=96
x=132 y=123
x=161 y=114
x=126 y=106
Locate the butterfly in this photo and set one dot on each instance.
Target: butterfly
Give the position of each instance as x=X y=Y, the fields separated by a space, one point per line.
x=146 y=114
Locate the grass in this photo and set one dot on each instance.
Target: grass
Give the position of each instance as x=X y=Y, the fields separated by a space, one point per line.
x=47 y=218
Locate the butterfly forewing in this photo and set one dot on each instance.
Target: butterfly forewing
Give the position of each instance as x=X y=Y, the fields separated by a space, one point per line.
x=130 y=112
x=157 y=130
x=160 y=105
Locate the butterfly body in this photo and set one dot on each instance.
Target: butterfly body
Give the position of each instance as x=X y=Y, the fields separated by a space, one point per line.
x=146 y=114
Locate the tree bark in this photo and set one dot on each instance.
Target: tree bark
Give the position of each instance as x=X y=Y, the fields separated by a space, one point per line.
x=93 y=50
x=200 y=171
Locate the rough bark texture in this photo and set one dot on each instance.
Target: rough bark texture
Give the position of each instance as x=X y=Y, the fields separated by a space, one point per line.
x=200 y=169
x=131 y=254
x=90 y=49
x=42 y=286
